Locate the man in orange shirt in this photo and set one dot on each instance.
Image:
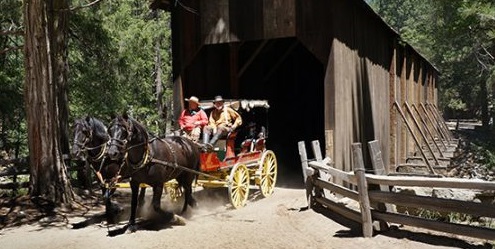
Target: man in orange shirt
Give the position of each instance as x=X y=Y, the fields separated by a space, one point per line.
x=193 y=119
x=222 y=120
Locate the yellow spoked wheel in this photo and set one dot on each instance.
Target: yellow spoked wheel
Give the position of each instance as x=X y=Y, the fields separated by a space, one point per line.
x=173 y=190
x=239 y=185
x=268 y=173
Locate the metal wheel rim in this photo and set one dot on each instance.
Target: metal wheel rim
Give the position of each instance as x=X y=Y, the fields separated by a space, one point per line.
x=239 y=186
x=268 y=173
x=176 y=196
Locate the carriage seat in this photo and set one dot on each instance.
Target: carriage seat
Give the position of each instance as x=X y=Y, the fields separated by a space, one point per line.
x=253 y=144
x=227 y=144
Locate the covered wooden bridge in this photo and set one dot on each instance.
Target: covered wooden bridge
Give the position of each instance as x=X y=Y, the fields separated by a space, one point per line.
x=332 y=70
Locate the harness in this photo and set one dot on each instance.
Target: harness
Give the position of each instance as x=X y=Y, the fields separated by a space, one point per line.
x=148 y=158
x=101 y=154
x=144 y=160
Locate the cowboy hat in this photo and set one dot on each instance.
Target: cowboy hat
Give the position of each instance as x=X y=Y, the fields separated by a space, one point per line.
x=218 y=98
x=193 y=99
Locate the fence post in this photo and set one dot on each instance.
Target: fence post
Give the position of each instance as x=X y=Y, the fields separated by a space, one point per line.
x=380 y=169
x=364 y=201
x=317 y=150
x=14 y=181
x=306 y=170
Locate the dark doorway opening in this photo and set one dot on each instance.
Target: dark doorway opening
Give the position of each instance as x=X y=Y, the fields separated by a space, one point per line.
x=281 y=71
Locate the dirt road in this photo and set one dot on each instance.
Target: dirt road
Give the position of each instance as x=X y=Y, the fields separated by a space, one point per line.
x=275 y=222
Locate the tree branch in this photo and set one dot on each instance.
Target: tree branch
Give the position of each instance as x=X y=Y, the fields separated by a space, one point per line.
x=488 y=53
x=85 y=5
x=10 y=49
x=11 y=32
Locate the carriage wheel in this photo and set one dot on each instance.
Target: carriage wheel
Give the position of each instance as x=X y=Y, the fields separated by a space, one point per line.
x=268 y=173
x=175 y=194
x=173 y=190
x=239 y=185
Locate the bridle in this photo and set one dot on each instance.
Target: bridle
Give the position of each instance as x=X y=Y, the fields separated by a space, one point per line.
x=121 y=144
x=83 y=145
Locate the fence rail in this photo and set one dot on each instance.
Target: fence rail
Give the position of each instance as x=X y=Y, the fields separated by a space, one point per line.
x=17 y=167
x=375 y=205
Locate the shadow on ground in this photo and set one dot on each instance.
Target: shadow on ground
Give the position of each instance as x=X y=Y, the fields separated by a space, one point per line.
x=397 y=233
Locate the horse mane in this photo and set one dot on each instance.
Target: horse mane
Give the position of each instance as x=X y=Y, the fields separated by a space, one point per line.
x=135 y=125
x=99 y=129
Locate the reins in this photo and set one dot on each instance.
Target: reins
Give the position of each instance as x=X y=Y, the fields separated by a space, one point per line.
x=148 y=157
x=102 y=151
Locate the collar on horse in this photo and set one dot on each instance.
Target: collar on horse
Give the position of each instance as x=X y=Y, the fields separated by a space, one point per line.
x=146 y=157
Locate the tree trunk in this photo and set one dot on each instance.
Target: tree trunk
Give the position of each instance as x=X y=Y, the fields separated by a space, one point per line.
x=45 y=93
x=158 y=82
x=485 y=115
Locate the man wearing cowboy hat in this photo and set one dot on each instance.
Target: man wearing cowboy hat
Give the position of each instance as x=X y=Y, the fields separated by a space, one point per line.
x=193 y=119
x=223 y=120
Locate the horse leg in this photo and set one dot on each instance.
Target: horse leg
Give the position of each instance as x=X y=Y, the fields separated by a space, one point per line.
x=141 y=197
x=186 y=181
x=189 y=198
x=157 y=197
x=112 y=209
x=134 y=199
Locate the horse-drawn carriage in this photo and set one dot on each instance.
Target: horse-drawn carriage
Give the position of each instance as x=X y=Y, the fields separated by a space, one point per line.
x=241 y=158
x=172 y=163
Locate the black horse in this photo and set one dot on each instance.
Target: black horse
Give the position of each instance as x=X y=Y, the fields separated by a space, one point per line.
x=90 y=143
x=152 y=161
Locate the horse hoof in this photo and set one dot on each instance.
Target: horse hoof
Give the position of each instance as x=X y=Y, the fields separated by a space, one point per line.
x=132 y=228
x=178 y=221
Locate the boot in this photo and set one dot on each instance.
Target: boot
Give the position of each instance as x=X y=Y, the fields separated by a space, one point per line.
x=215 y=138
x=206 y=137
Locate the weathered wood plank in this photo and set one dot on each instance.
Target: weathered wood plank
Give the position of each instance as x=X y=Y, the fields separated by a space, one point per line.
x=317 y=150
x=336 y=173
x=340 y=209
x=475 y=232
x=379 y=169
x=364 y=201
x=428 y=131
x=279 y=18
x=432 y=203
x=430 y=168
x=376 y=158
x=423 y=136
x=336 y=189
x=419 y=181
x=14 y=185
x=304 y=159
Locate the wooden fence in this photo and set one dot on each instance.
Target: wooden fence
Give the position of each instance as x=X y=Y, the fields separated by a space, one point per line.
x=376 y=206
x=14 y=168
x=19 y=166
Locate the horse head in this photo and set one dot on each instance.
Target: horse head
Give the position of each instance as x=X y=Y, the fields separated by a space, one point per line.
x=89 y=134
x=125 y=134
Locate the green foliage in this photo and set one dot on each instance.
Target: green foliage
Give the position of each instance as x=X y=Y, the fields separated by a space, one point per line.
x=112 y=60
x=12 y=121
x=458 y=38
x=93 y=78
x=489 y=159
x=453 y=100
x=429 y=214
x=111 y=65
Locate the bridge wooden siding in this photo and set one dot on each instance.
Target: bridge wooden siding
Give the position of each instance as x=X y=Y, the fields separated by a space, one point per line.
x=369 y=75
